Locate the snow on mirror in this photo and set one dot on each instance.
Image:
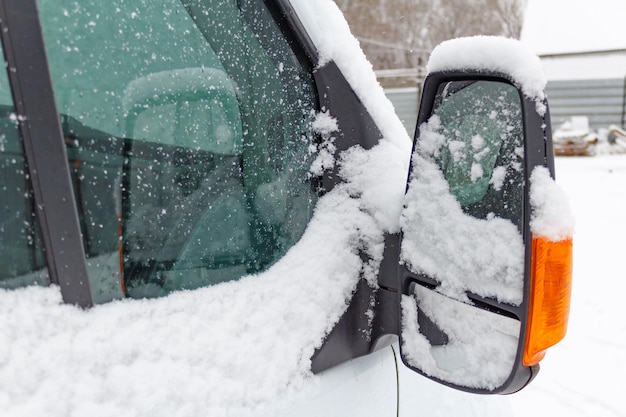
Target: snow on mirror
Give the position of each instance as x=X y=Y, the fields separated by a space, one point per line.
x=462 y=236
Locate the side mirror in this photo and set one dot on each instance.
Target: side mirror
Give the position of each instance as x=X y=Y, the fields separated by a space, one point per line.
x=485 y=273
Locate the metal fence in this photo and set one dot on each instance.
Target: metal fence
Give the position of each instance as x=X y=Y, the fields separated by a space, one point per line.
x=405 y=101
x=602 y=101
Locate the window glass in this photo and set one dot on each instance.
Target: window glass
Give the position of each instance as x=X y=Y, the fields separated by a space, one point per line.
x=482 y=159
x=188 y=130
x=21 y=250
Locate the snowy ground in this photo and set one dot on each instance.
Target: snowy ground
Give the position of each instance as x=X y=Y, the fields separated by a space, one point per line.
x=584 y=374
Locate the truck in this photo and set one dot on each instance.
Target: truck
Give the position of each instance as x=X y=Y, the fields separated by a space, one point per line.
x=210 y=208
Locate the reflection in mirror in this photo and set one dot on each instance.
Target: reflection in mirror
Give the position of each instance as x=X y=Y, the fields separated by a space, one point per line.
x=462 y=233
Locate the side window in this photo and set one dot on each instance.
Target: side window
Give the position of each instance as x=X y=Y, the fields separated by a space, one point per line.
x=188 y=131
x=21 y=248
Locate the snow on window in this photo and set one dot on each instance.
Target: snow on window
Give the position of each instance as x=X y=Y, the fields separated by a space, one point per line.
x=497 y=177
x=490 y=53
x=234 y=348
x=551 y=214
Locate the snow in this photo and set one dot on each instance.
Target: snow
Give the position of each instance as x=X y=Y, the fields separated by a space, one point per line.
x=230 y=349
x=241 y=344
x=507 y=56
x=497 y=178
x=325 y=125
x=551 y=214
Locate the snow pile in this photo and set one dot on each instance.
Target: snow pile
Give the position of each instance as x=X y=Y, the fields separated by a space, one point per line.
x=238 y=344
x=489 y=53
x=551 y=214
x=234 y=348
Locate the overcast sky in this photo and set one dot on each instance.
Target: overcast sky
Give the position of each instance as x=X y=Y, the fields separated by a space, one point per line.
x=552 y=26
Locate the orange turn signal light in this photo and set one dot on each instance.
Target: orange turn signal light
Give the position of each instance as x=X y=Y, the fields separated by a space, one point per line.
x=550 y=293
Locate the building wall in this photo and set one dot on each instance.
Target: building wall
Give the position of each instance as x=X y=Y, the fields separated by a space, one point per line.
x=601 y=100
x=594 y=65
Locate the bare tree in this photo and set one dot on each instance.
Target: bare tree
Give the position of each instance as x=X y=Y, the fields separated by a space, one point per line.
x=399 y=34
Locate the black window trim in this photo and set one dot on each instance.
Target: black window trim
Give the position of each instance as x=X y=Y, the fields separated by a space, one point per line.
x=44 y=147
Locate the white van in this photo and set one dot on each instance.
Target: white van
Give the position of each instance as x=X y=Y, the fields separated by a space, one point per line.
x=209 y=208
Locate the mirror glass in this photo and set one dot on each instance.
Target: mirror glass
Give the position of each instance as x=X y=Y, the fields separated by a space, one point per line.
x=463 y=240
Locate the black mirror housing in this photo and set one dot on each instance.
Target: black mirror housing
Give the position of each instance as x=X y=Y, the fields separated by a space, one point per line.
x=452 y=360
